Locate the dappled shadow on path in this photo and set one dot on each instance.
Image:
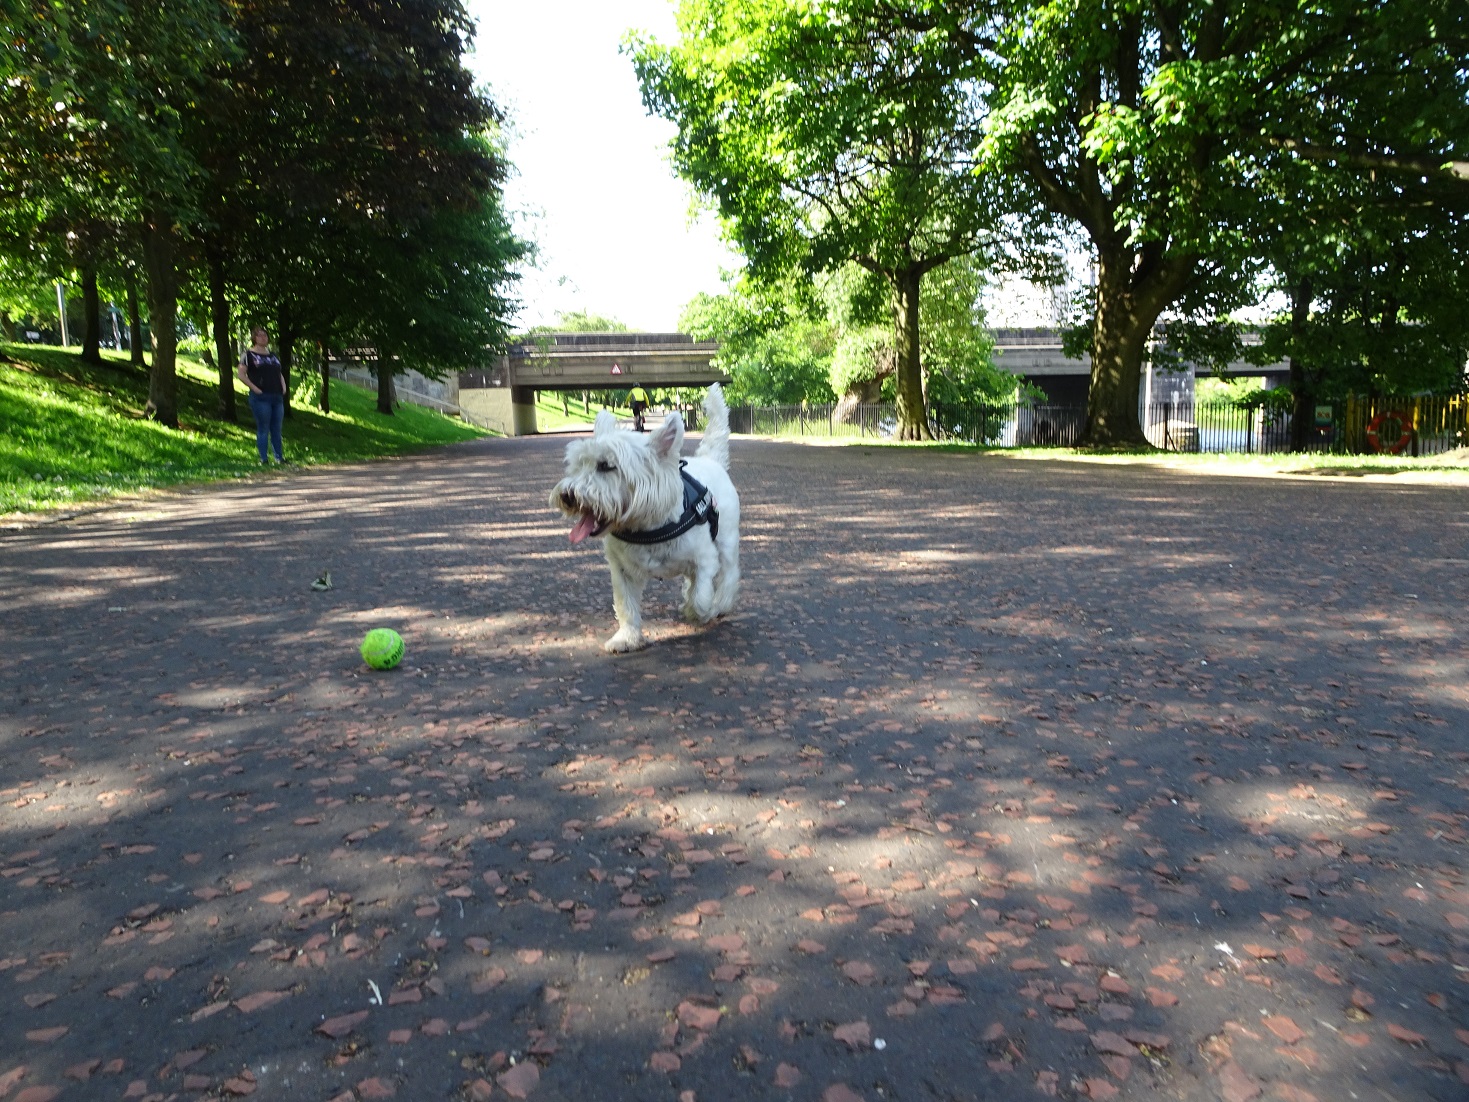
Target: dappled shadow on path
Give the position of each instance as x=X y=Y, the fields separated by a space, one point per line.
x=1053 y=779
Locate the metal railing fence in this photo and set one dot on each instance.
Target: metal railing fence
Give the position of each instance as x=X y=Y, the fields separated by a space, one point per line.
x=1424 y=425
x=814 y=420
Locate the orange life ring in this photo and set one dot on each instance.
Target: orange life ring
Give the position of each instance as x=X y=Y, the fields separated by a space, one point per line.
x=1404 y=422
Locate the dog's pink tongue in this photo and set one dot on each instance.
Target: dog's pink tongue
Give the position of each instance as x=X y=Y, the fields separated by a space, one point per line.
x=583 y=528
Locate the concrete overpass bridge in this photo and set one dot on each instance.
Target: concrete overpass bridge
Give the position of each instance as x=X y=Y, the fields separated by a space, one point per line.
x=504 y=394
x=1035 y=355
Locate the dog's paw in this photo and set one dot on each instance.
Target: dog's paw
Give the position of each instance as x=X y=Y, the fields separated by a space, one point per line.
x=696 y=611
x=623 y=642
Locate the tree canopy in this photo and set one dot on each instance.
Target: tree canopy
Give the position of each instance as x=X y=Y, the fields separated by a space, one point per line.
x=1201 y=152
x=329 y=170
x=1161 y=132
x=775 y=351
x=830 y=340
x=826 y=135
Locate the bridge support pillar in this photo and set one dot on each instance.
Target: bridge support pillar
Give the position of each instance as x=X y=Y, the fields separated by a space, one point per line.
x=523 y=410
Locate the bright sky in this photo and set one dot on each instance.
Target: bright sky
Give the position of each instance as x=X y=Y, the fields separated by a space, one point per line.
x=611 y=220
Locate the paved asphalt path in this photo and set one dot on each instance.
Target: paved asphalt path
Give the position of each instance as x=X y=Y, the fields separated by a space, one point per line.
x=1008 y=779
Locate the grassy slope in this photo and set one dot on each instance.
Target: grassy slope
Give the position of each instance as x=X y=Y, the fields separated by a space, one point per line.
x=70 y=432
x=549 y=416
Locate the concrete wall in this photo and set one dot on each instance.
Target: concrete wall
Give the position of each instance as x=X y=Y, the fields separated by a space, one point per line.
x=410 y=386
x=489 y=408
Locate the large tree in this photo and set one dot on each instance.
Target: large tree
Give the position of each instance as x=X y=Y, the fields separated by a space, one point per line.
x=1140 y=124
x=95 y=94
x=1362 y=164
x=105 y=90
x=1375 y=276
x=448 y=299
x=372 y=187
x=1100 y=105
x=828 y=134
x=1354 y=147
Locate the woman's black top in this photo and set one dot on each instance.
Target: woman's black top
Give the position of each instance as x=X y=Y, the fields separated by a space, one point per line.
x=264 y=371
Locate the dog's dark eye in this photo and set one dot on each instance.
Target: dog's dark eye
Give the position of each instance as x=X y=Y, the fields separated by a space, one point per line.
x=603 y=467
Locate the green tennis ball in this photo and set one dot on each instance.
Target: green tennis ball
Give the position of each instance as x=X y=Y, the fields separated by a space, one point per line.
x=382 y=648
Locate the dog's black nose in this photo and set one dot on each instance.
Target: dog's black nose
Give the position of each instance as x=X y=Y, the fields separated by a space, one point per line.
x=568 y=499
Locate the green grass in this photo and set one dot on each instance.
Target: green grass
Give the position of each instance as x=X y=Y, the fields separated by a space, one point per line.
x=549 y=416
x=70 y=432
x=1215 y=462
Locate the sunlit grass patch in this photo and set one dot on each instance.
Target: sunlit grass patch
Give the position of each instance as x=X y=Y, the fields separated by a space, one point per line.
x=552 y=415
x=1210 y=462
x=73 y=432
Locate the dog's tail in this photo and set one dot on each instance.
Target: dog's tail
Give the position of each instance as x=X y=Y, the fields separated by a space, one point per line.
x=715 y=444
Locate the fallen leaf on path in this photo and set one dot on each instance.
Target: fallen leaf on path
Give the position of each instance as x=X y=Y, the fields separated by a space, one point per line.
x=693 y=1016
x=1284 y=1028
x=259 y=1001
x=520 y=1080
x=343 y=1024
x=665 y=1062
x=1235 y=1083
x=1115 y=1043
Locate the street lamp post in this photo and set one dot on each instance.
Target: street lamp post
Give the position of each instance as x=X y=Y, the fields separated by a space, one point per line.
x=61 y=312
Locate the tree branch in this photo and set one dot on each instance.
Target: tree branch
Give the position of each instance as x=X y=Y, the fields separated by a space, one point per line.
x=1451 y=170
x=1061 y=198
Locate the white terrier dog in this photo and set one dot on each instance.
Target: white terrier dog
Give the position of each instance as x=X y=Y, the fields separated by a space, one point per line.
x=664 y=517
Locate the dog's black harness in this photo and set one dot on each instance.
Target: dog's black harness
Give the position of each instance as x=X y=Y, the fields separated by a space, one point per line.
x=698 y=508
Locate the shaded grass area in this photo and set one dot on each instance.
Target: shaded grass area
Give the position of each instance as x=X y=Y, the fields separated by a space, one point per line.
x=71 y=432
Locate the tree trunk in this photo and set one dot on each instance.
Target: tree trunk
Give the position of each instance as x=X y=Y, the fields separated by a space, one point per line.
x=1119 y=340
x=912 y=413
x=285 y=350
x=91 y=316
x=326 y=377
x=1302 y=379
x=384 y=387
x=135 y=322
x=219 y=319
x=160 y=247
x=862 y=392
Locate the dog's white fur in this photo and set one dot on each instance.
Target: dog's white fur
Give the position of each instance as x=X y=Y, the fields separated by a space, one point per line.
x=623 y=481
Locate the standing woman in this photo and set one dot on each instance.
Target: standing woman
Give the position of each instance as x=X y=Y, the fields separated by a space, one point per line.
x=261 y=372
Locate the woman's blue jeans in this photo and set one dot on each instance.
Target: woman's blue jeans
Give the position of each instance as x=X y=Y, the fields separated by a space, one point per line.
x=269 y=411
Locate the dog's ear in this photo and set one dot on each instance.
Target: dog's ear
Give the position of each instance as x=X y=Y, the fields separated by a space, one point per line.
x=606 y=422
x=668 y=440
